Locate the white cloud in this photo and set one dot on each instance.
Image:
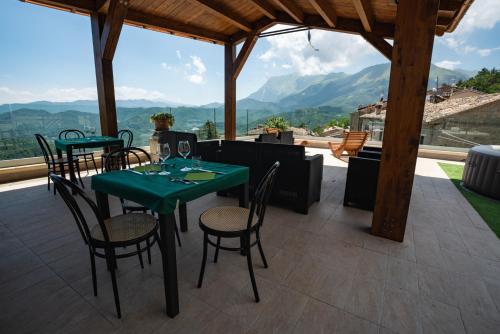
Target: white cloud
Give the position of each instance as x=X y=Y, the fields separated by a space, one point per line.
x=336 y=51
x=286 y=66
x=178 y=53
x=449 y=64
x=195 y=70
x=8 y=95
x=483 y=14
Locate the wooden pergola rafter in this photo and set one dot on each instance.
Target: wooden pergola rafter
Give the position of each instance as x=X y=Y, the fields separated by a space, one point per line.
x=411 y=25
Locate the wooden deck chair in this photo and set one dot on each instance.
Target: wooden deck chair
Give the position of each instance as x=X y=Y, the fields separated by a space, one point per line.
x=353 y=142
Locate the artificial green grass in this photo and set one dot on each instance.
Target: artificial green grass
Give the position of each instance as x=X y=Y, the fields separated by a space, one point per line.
x=487 y=208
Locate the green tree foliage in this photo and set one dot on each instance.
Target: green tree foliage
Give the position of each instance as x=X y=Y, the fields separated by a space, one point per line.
x=209 y=131
x=341 y=121
x=277 y=122
x=487 y=81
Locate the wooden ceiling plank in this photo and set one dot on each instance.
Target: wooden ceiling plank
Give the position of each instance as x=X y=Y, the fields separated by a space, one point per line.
x=326 y=11
x=226 y=13
x=117 y=11
x=265 y=7
x=292 y=9
x=378 y=43
x=243 y=55
x=450 y=5
x=365 y=13
x=143 y=19
x=260 y=26
x=99 y=4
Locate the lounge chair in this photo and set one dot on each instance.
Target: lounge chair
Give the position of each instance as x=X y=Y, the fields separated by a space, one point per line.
x=353 y=142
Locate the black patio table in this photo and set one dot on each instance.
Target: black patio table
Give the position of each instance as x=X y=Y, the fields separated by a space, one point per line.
x=69 y=144
x=162 y=194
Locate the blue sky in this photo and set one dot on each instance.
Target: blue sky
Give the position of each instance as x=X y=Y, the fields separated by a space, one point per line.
x=47 y=55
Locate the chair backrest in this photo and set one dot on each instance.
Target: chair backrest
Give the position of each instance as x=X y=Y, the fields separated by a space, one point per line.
x=71 y=133
x=262 y=195
x=354 y=140
x=269 y=138
x=286 y=137
x=46 y=151
x=127 y=136
x=65 y=188
x=122 y=158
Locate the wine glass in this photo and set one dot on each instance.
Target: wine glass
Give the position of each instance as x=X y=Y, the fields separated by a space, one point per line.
x=184 y=149
x=163 y=151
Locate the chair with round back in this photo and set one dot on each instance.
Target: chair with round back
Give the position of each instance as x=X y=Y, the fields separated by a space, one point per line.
x=238 y=222
x=127 y=136
x=74 y=133
x=124 y=158
x=53 y=164
x=108 y=234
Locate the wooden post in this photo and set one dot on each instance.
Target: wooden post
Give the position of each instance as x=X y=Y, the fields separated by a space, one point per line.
x=105 y=33
x=411 y=59
x=229 y=92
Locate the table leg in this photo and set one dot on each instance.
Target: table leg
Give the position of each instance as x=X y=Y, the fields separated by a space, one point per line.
x=183 y=217
x=243 y=195
x=71 y=165
x=61 y=165
x=167 y=236
x=102 y=204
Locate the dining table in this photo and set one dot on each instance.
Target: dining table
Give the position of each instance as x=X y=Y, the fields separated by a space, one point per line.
x=69 y=144
x=163 y=194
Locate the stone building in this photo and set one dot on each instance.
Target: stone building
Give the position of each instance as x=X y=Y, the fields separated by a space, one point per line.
x=457 y=122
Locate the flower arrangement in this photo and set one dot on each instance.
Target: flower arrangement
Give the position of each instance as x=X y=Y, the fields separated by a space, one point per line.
x=162 y=120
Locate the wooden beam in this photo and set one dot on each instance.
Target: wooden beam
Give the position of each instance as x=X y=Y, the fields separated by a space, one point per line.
x=117 y=11
x=378 y=43
x=260 y=26
x=229 y=92
x=326 y=11
x=104 y=79
x=173 y=27
x=291 y=9
x=450 y=5
x=365 y=13
x=385 y=30
x=99 y=4
x=265 y=7
x=243 y=55
x=411 y=61
x=225 y=13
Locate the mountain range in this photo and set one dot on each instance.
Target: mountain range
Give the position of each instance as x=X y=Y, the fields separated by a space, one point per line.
x=284 y=93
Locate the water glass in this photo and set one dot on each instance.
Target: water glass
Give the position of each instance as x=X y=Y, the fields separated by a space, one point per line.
x=183 y=148
x=163 y=150
x=196 y=162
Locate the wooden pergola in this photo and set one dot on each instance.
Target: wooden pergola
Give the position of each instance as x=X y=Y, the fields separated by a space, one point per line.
x=411 y=24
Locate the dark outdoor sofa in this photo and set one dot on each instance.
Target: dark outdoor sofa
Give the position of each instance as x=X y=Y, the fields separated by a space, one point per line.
x=362 y=177
x=284 y=137
x=299 y=178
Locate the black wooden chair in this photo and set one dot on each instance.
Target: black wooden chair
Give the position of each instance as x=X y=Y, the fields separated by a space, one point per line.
x=237 y=222
x=81 y=152
x=128 y=138
x=109 y=234
x=123 y=158
x=54 y=165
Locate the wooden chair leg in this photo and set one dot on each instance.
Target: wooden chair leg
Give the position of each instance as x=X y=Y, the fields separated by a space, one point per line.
x=77 y=165
x=95 y=165
x=217 y=250
x=139 y=254
x=204 y=260
x=250 y=268
x=94 y=275
x=115 y=291
x=148 y=244
x=261 y=251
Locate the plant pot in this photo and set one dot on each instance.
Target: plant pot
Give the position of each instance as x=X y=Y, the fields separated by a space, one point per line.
x=162 y=124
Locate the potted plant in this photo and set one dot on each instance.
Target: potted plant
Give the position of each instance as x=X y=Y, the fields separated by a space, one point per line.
x=276 y=124
x=162 y=120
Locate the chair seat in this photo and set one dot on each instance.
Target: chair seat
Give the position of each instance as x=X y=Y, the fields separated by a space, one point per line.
x=125 y=228
x=227 y=219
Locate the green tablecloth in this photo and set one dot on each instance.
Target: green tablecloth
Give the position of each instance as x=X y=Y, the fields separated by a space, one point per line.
x=160 y=194
x=88 y=142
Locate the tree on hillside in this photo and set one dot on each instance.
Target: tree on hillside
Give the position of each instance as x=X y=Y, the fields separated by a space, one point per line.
x=487 y=81
x=209 y=131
